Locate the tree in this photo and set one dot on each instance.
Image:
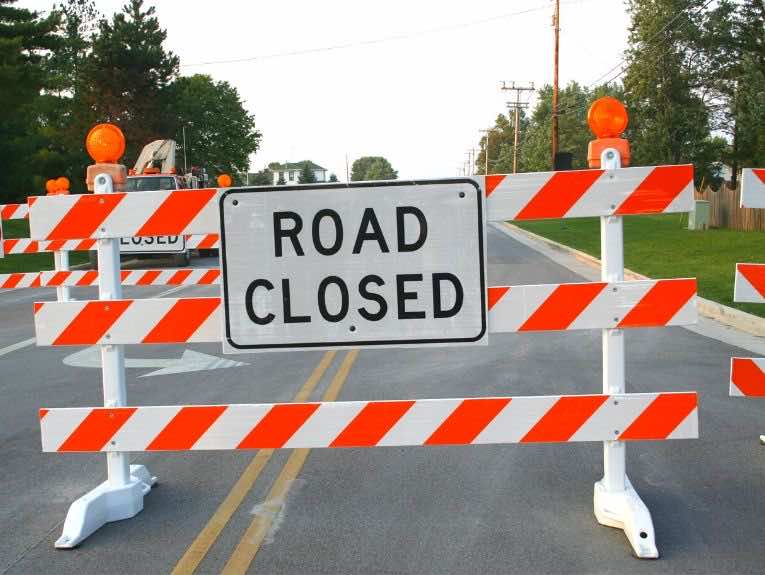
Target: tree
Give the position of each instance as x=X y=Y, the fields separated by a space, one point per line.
x=125 y=75
x=306 y=175
x=264 y=177
x=220 y=133
x=372 y=168
x=670 y=123
x=332 y=178
x=280 y=181
x=25 y=41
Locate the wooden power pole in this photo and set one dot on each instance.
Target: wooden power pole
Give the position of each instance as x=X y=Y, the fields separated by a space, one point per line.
x=516 y=106
x=556 y=27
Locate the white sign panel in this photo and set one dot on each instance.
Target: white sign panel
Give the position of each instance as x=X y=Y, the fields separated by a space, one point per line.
x=368 y=264
x=153 y=244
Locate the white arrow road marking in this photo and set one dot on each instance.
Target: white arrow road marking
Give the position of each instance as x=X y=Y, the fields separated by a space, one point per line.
x=190 y=361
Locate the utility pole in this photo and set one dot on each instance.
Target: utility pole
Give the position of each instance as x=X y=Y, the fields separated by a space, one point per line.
x=488 y=133
x=516 y=106
x=556 y=27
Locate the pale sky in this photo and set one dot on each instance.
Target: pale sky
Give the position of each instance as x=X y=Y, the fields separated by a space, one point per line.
x=419 y=99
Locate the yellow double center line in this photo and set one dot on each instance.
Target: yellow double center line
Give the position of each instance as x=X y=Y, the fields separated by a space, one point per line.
x=248 y=546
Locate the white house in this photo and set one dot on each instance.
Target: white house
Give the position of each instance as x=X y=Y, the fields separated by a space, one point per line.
x=290 y=172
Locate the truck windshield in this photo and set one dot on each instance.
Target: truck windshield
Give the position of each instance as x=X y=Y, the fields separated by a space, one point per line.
x=150 y=184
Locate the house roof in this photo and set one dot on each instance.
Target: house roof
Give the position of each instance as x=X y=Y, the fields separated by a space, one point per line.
x=299 y=166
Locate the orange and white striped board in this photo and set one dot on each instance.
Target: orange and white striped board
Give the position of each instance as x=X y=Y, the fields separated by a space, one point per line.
x=20 y=280
x=160 y=320
x=541 y=195
x=203 y=241
x=750 y=283
x=27 y=246
x=753 y=188
x=14 y=211
x=154 y=277
x=645 y=303
x=486 y=420
x=581 y=193
x=747 y=377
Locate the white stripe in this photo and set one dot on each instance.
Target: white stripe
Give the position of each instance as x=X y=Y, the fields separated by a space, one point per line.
x=325 y=424
x=58 y=425
x=420 y=421
x=743 y=290
x=141 y=428
x=614 y=416
x=232 y=427
x=752 y=190
x=516 y=419
x=513 y=193
x=688 y=428
x=688 y=314
x=517 y=305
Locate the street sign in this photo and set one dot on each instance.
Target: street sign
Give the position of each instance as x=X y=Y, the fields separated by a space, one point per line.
x=369 y=264
x=153 y=244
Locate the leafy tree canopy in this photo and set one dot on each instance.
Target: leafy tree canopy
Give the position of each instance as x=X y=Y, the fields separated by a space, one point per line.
x=372 y=168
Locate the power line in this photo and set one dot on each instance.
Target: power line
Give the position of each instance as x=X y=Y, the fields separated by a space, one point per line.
x=373 y=41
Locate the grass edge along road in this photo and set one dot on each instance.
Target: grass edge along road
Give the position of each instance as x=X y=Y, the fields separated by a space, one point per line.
x=244 y=554
x=662 y=247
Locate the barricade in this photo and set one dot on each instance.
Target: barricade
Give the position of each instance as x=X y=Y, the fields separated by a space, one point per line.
x=747 y=375
x=611 y=305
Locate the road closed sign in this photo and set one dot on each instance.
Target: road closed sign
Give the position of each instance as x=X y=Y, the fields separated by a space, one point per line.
x=362 y=265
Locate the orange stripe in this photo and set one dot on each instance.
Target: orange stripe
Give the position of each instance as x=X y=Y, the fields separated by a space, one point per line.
x=8 y=211
x=496 y=294
x=657 y=190
x=55 y=246
x=492 y=182
x=559 y=194
x=32 y=247
x=84 y=217
x=465 y=423
x=178 y=277
x=748 y=377
x=13 y=280
x=371 y=423
x=37 y=305
x=209 y=241
x=760 y=173
x=43 y=412
x=182 y=320
x=176 y=212
x=564 y=418
x=562 y=306
x=278 y=425
x=148 y=277
x=88 y=278
x=188 y=425
x=8 y=245
x=93 y=321
x=37 y=282
x=660 y=304
x=97 y=429
x=85 y=245
x=755 y=275
x=661 y=417
x=58 y=278
x=209 y=277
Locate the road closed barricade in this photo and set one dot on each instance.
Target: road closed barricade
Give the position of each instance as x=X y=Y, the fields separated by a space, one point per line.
x=383 y=264
x=747 y=375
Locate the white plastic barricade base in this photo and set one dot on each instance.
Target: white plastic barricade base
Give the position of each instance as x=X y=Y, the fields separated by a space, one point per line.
x=625 y=510
x=104 y=504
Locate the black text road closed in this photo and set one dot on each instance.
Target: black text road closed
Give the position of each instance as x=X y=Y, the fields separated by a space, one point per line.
x=388 y=264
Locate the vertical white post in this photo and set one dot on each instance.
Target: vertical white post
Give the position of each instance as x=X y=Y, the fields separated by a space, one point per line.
x=616 y=503
x=112 y=356
x=612 y=270
x=61 y=264
x=121 y=495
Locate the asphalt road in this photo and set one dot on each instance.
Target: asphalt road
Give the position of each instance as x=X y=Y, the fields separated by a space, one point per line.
x=484 y=509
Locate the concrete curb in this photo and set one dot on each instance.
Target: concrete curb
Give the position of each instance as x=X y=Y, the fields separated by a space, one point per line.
x=724 y=314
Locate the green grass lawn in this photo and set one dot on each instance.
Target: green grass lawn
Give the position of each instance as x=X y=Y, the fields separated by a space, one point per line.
x=662 y=247
x=30 y=262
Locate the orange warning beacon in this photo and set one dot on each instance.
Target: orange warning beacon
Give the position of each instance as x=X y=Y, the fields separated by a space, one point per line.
x=608 y=119
x=106 y=144
x=224 y=181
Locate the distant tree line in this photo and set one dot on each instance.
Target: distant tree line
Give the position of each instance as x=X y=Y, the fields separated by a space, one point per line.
x=693 y=81
x=66 y=71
